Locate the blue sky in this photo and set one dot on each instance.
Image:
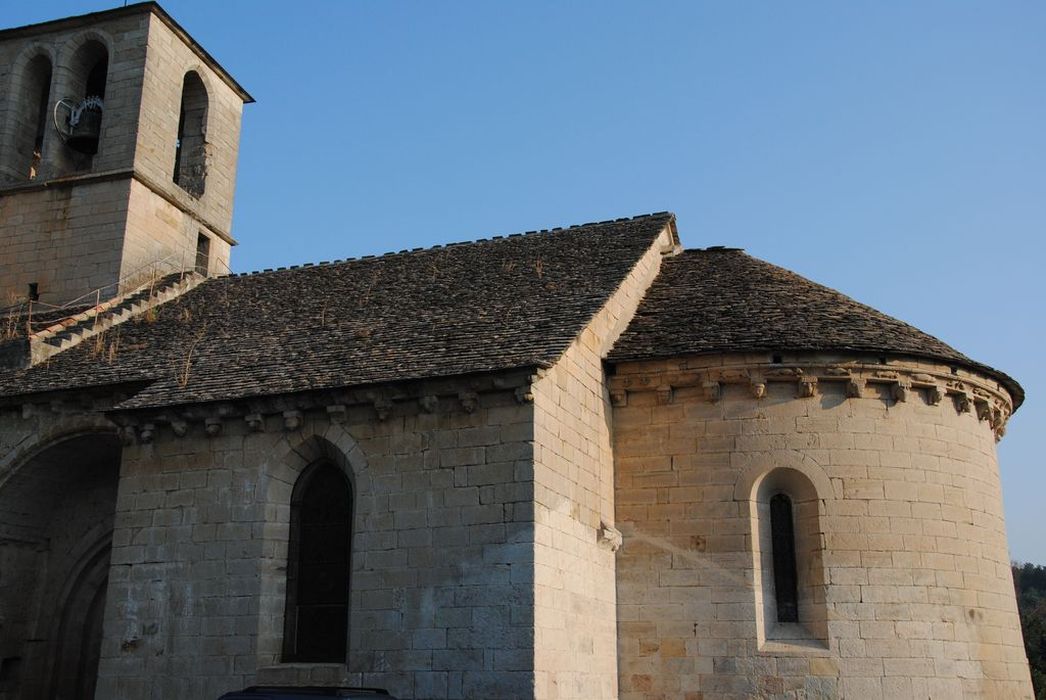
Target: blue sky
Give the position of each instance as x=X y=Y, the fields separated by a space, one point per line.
x=895 y=151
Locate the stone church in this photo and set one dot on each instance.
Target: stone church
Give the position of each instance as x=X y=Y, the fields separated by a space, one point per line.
x=580 y=463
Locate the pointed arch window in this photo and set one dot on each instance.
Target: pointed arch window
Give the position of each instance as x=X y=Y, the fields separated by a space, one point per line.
x=318 y=564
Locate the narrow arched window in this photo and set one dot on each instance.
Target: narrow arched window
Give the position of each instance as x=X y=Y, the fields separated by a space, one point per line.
x=782 y=532
x=316 y=619
x=190 y=146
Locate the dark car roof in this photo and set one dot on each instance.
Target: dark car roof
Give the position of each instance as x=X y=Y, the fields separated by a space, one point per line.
x=274 y=692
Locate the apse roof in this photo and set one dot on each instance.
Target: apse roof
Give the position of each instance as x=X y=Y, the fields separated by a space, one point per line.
x=722 y=300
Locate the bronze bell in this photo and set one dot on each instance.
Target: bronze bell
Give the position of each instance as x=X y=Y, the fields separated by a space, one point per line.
x=84 y=135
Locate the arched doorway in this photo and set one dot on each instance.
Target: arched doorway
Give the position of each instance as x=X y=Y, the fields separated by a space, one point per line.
x=77 y=645
x=56 y=522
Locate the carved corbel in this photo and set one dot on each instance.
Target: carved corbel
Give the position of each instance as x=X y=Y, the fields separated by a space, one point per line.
x=997 y=418
x=855 y=387
x=984 y=409
x=937 y=394
x=757 y=387
x=609 y=537
x=255 y=422
x=429 y=403
x=147 y=433
x=525 y=394
x=664 y=395
x=127 y=436
x=899 y=392
x=292 y=420
x=713 y=391
x=212 y=426
x=337 y=413
x=382 y=406
x=963 y=403
x=469 y=400
x=179 y=427
x=807 y=387
x=619 y=397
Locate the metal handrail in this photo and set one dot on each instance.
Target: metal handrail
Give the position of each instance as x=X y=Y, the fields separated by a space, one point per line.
x=97 y=293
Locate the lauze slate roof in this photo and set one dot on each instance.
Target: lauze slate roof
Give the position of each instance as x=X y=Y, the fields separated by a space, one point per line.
x=466 y=308
x=723 y=300
x=503 y=303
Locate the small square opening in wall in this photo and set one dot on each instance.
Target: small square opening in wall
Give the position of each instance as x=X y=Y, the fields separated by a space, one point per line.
x=203 y=254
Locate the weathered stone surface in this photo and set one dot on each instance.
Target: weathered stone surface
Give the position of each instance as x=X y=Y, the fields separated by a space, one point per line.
x=909 y=567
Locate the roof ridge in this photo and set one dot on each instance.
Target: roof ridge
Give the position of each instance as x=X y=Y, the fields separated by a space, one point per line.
x=442 y=246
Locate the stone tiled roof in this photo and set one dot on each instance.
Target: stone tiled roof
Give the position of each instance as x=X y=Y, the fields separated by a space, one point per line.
x=723 y=300
x=509 y=302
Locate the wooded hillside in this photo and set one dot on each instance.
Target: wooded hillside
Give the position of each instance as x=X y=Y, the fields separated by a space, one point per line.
x=1030 y=582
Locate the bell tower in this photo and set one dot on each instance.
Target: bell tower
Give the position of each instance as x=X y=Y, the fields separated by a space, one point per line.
x=119 y=137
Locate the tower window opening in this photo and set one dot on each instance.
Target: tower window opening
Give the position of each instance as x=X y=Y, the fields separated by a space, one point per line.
x=23 y=161
x=203 y=254
x=782 y=532
x=190 y=143
x=318 y=561
x=84 y=107
x=42 y=100
x=95 y=84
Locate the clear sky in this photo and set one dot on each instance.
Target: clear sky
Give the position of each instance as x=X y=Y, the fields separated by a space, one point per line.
x=893 y=150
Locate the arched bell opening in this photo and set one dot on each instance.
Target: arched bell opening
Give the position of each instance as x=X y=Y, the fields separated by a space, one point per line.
x=190 y=148
x=56 y=521
x=31 y=117
x=79 y=114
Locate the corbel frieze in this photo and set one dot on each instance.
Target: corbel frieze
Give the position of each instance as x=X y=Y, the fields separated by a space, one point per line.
x=900 y=384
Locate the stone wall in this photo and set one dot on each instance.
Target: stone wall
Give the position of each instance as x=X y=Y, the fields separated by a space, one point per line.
x=166 y=64
x=574 y=609
x=68 y=240
x=906 y=557
x=162 y=237
x=442 y=563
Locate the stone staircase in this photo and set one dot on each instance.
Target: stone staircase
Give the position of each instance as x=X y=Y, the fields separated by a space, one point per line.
x=89 y=322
